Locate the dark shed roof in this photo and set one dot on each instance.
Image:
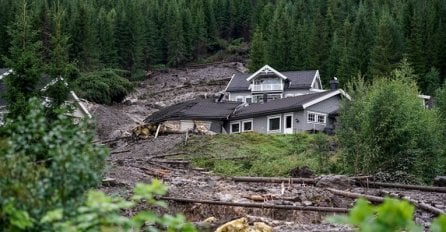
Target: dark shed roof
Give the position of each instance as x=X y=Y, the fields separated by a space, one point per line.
x=297 y=80
x=276 y=106
x=201 y=109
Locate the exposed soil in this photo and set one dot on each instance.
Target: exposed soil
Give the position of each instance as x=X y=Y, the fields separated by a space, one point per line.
x=134 y=160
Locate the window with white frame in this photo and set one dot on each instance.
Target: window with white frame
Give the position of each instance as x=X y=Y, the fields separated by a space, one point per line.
x=247 y=125
x=239 y=99
x=274 y=123
x=248 y=99
x=235 y=127
x=314 y=117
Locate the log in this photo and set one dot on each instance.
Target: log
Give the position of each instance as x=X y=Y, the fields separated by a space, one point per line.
x=356 y=195
x=405 y=186
x=259 y=205
x=420 y=205
x=119 y=152
x=264 y=198
x=179 y=162
x=274 y=180
x=166 y=155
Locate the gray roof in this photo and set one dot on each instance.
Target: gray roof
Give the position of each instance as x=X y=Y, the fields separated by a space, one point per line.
x=297 y=80
x=283 y=105
x=200 y=109
x=207 y=109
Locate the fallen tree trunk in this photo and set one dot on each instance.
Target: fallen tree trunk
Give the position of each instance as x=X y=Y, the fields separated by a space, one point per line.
x=259 y=205
x=419 y=205
x=404 y=186
x=275 y=180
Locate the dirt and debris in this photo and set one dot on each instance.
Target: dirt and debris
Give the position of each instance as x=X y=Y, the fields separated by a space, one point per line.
x=134 y=160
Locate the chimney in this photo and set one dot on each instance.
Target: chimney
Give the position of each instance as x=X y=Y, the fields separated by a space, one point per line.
x=334 y=84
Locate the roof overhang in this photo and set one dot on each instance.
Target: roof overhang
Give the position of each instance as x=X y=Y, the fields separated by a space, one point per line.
x=266 y=69
x=327 y=96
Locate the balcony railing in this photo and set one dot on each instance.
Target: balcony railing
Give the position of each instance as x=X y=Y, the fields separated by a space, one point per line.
x=267 y=87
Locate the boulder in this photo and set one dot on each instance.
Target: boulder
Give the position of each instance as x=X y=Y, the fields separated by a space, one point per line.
x=334 y=181
x=440 y=181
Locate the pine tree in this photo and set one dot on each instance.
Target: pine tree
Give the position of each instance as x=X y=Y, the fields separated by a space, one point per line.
x=257 y=53
x=83 y=37
x=59 y=66
x=106 y=38
x=361 y=40
x=387 y=49
x=176 y=54
x=24 y=60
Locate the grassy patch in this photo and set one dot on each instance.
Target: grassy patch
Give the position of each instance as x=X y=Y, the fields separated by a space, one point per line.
x=253 y=154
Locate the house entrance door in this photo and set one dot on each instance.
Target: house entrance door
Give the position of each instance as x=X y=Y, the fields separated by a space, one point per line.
x=288 y=124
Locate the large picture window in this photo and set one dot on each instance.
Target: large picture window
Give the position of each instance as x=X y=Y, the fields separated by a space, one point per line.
x=274 y=123
x=314 y=117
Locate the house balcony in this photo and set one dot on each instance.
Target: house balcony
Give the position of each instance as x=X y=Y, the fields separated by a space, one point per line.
x=266 y=87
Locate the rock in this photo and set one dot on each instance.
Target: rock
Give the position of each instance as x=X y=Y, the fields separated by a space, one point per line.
x=307 y=203
x=261 y=227
x=210 y=220
x=115 y=134
x=440 y=181
x=225 y=197
x=239 y=225
x=334 y=181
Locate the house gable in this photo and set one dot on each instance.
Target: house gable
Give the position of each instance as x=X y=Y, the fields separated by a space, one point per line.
x=266 y=69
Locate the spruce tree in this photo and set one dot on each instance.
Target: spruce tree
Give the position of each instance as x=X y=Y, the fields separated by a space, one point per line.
x=361 y=40
x=59 y=66
x=257 y=54
x=24 y=60
x=387 y=49
x=83 y=37
x=176 y=54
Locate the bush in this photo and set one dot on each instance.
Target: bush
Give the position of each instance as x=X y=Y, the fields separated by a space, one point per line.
x=103 y=213
x=386 y=129
x=104 y=87
x=45 y=165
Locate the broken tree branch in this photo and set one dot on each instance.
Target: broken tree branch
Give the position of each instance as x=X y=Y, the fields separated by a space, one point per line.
x=259 y=205
x=419 y=205
x=405 y=186
x=274 y=180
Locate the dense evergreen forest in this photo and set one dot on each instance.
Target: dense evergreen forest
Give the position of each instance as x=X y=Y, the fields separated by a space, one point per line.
x=341 y=38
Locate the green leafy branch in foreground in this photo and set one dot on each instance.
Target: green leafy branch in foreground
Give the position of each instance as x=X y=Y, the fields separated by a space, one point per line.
x=390 y=216
x=103 y=213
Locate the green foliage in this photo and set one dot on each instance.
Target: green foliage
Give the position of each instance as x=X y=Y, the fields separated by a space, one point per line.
x=260 y=155
x=386 y=129
x=439 y=224
x=24 y=59
x=104 y=87
x=103 y=213
x=391 y=215
x=45 y=165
